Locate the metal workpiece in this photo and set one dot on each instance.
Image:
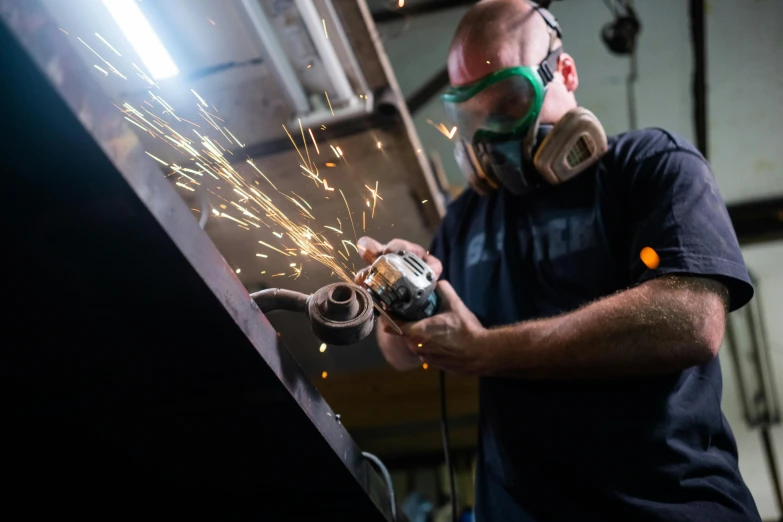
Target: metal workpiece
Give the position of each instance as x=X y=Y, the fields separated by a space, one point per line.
x=157 y=384
x=339 y=313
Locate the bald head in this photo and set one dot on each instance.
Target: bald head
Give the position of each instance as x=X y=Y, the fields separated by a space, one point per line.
x=495 y=34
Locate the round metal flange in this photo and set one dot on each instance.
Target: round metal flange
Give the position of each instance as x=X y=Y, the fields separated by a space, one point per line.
x=341 y=313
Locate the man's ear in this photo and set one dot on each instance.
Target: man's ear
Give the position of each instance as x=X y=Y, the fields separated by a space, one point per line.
x=567 y=68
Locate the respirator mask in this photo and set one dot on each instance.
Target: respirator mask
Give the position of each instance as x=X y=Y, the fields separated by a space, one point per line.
x=500 y=139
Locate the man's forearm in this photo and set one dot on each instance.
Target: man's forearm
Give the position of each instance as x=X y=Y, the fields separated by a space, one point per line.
x=661 y=326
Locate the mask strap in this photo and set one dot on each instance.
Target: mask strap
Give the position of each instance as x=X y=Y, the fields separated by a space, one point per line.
x=546 y=70
x=548 y=67
x=548 y=17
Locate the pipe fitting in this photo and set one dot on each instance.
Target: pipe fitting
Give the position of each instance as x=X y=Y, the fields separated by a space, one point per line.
x=340 y=313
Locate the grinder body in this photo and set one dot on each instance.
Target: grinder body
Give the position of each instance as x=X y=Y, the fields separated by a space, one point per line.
x=403 y=285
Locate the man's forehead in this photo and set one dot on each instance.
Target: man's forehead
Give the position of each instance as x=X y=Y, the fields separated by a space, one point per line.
x=476 y=64
x=491 y=44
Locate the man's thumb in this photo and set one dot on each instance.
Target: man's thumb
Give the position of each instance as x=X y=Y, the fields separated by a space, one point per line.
x=448 y=296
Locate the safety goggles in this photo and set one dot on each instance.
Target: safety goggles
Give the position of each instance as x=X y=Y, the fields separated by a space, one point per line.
x=503 y=104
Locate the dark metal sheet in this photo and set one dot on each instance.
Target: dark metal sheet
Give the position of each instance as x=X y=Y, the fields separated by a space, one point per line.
x=138 y=375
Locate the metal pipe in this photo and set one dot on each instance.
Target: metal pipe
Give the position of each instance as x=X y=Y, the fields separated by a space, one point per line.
x=266 y=33
x=344 y=49
x=698 y=38
x=772 y=463
x=279 y=299
x=332 y=66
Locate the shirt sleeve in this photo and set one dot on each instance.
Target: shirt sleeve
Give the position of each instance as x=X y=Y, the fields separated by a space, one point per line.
x=677 y=211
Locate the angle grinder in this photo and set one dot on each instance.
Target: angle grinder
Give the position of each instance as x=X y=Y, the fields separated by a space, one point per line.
x=403 y=285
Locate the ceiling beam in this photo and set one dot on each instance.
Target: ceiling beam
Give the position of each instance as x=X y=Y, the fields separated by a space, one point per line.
x=699 y=77
x=418 y=8
x=419 y=98
x=758 y=221
x=337 y=130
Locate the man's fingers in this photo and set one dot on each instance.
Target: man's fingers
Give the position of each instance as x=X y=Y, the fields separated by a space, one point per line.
x=396 y=245
x=435 y=264
x=369 y=249
x=449 y=298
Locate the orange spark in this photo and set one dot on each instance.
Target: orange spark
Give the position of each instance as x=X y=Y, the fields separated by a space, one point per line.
x=330 y=103
x=314 y=143
x=650 y=258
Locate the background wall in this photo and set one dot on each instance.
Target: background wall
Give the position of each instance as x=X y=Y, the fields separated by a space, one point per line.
x=417 y=48
x=744 y=125
x=745 y=79
x=764 y=262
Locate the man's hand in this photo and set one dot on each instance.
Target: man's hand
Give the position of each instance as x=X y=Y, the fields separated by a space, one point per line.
x=396 y=349
x=451 y=340
x=370 y=250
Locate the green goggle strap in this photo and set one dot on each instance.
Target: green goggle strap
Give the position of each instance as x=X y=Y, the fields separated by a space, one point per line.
x=539 y=77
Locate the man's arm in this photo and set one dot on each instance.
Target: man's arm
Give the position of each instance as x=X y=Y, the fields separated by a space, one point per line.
x=663 y=325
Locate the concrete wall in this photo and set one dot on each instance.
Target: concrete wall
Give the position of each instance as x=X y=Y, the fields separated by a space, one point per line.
x=764 y=262
x=745 y=82
x=744 y=126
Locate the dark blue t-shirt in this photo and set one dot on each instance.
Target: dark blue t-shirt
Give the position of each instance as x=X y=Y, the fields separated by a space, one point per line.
x=654 y=448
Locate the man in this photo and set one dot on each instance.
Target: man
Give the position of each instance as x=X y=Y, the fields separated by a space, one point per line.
x=599 y=380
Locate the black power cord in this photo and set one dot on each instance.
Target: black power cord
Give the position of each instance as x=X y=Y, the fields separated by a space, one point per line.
x=444 y=432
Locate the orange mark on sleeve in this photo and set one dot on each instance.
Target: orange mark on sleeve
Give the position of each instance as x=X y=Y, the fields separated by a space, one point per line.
x=650 y=258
